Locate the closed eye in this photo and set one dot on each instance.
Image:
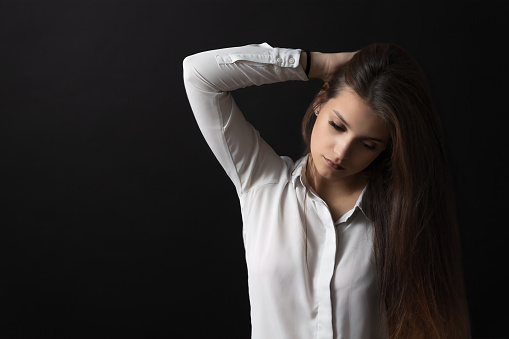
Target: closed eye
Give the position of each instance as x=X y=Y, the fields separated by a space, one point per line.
x=343 y=129
x=337 y=127
x=371 y=148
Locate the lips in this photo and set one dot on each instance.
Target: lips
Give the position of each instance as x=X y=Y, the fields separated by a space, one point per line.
x=333 y=165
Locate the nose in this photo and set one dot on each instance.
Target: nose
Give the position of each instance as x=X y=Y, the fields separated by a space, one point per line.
x=343 y=148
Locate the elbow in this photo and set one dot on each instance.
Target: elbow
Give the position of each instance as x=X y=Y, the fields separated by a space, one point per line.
x=187 y=62
x=187 y=67
x=191 y=66
x=197 y=68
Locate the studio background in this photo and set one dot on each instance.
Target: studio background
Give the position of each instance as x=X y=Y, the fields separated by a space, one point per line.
x=117 y=220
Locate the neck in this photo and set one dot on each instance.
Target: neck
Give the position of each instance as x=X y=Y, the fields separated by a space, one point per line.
x=331 y=189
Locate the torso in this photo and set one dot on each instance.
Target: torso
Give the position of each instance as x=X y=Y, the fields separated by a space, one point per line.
x=309 y=276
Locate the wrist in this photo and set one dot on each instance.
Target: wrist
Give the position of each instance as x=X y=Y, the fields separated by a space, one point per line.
x=318 y=66
x=304 y=60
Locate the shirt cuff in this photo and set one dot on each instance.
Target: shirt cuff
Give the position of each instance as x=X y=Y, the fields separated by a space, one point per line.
x=263 y=54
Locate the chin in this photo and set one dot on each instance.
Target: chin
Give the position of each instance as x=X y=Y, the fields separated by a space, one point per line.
x=328 y=173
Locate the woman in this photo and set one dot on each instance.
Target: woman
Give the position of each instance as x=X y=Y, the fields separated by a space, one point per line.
x=357 y=239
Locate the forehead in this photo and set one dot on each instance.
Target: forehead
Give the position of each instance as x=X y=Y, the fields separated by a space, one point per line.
x=354 y=112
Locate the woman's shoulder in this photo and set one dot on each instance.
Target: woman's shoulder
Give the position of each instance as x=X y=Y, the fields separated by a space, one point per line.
x=286 y=178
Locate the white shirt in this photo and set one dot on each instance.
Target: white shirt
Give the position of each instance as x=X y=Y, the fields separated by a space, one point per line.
x=324 y=290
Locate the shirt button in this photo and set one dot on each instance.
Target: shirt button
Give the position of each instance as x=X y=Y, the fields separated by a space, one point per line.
x=279 y=60
x=291 y=60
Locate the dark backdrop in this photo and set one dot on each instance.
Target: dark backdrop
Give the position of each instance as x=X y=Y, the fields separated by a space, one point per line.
x=118 y=222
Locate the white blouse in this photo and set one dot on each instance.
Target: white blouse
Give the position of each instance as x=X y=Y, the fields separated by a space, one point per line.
x=309 y=276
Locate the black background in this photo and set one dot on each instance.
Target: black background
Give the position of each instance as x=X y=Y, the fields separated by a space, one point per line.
x=118 y=222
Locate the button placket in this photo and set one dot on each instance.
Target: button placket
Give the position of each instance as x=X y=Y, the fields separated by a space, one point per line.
x=326 y=268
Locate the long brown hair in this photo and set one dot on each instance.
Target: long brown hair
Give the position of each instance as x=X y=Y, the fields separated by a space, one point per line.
x=408 y=197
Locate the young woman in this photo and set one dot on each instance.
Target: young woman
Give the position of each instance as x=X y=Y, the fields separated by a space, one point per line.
x=357 y=239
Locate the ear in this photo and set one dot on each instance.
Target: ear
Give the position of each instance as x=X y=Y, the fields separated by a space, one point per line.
x=317 y=109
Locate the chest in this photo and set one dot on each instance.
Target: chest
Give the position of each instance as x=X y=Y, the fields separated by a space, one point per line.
x=287 y=235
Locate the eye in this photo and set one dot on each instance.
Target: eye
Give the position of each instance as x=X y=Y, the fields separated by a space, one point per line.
x=337 y=127
x=370 y=147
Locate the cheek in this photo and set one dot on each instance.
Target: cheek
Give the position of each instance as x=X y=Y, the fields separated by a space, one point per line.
x=319 y=134
x=366 y=159
x=360 y=157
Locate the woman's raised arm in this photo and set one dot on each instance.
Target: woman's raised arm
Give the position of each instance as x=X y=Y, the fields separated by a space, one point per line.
x=209 y=77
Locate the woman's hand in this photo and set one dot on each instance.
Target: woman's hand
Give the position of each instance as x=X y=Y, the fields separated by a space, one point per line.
x=325 y=65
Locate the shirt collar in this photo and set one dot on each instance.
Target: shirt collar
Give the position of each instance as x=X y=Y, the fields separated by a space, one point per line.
x=357 y=207
x=300 y=167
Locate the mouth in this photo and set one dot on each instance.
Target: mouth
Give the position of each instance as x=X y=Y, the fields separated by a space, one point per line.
x=333 y=165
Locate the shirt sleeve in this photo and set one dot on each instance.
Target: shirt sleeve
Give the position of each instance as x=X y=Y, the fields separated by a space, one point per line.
x=209 y=77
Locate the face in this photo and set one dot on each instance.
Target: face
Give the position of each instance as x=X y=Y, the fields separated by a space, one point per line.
x=347 y=136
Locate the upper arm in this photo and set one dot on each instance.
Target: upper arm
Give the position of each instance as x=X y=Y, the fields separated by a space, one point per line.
x=209 y=77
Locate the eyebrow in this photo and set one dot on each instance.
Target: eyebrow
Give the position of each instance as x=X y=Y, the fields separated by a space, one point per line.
x=347 y=125
x=341 y=118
